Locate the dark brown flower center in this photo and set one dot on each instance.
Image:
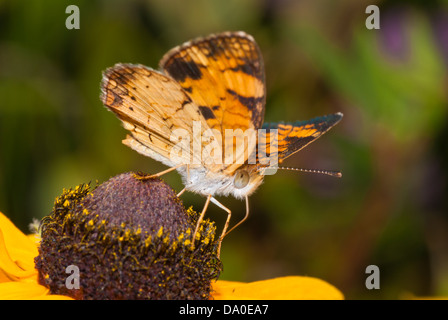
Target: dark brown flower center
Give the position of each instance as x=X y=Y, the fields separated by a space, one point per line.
x=126 y=239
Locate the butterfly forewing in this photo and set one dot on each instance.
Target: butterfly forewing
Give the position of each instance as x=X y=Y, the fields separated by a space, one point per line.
x=224 y=75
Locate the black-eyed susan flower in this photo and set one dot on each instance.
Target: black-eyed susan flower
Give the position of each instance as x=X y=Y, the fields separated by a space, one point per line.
x=128 y=239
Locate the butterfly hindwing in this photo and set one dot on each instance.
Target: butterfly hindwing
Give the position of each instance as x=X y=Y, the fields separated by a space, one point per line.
x=294 y=136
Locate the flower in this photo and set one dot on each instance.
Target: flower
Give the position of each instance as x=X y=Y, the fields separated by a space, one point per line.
x=128 y=256
x=18 y=277
x=129 y=238
x=282 y=288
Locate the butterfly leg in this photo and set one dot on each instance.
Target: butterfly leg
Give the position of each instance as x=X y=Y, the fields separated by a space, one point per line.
x=245 y=217
x=161 y=173
x=188 y=181
x=181 y=192
x=223 y=233
x=201 y=217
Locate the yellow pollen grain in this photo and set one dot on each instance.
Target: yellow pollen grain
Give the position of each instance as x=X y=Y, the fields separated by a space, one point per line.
x=160 y=232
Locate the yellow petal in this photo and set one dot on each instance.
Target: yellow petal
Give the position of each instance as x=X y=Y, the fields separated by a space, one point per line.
x=21 y=290
x=20 y=248
x=27 y=291
x=284 y=288
x=10 y=270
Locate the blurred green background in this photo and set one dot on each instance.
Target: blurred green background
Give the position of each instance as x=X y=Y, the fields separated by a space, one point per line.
x=390 y=209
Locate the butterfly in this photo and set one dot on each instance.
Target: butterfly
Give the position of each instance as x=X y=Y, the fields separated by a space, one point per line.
x=204 y=89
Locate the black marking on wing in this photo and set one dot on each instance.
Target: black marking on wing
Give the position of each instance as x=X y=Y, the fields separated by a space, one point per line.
x=249 y=102
x=180 y=70
x=207 y=113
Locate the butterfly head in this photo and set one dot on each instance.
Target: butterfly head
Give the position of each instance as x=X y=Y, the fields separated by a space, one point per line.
x=246 y=180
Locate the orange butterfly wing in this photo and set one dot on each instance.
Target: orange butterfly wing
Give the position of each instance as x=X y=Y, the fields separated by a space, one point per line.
x=293 y=137
x=223 y=75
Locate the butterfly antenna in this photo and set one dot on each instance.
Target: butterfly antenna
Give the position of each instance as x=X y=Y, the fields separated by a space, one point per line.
x=336 y=174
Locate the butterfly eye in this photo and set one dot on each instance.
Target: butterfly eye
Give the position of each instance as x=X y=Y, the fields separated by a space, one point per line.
x=241 y=179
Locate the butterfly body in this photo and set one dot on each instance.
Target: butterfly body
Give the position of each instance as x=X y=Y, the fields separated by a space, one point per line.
x=206 y=182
